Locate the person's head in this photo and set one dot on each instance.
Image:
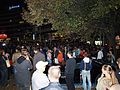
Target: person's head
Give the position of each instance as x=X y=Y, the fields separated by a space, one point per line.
x=24 y=52
x=104 y=67
x=115 y=87
x=85 y=54
x=36 y=50
x=118 y=62
x=17 y=49
x=108 y=72
x=107 y=69
x=41 y=65
x=69 y=54
x=54 y=73
x=55 y=48
x=49 y=51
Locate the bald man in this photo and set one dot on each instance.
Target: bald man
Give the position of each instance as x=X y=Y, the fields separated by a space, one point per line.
x=54 y=74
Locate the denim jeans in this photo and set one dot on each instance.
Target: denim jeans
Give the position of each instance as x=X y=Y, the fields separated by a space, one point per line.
x=86 y=77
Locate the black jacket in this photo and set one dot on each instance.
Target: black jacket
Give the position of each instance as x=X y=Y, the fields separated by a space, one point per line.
x=70 y=66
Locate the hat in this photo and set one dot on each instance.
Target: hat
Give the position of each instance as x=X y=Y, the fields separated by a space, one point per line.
x=41 y=64
x=24 y=48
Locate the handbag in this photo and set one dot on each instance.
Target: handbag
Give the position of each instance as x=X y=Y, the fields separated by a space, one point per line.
x=7 y=63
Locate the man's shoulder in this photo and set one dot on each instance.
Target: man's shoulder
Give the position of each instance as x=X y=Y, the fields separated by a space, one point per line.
x=71 y=60
x=53 y=86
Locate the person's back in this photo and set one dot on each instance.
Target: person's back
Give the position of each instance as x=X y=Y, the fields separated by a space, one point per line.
x=38 y=57
x=22 y=71
x=39 y=78
x=69 y=71
x=54 y=75
x=85 y=69
x=22 y=68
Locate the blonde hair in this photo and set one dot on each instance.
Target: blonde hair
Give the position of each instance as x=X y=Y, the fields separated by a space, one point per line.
x=54 y=72
x=111 y=72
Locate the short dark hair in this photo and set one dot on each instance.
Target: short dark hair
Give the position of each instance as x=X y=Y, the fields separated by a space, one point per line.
x=118 y=60
x=70 y=52
x=18 y=48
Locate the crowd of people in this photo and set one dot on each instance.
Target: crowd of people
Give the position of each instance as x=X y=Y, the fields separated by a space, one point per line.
x=39 y=68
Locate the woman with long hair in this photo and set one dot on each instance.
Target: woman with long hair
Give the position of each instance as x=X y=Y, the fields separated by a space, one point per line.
x=107 y=78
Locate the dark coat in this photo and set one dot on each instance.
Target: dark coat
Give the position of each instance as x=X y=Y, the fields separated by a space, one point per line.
x=70 y=66
x=22 y=72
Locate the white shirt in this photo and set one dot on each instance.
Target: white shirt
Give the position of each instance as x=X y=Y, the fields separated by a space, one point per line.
x=86 y=60
x=39 y=80
x=100 y=55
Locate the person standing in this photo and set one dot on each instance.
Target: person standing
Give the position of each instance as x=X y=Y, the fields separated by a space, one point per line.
x=39 y=78
x=69 y=71
x=54 y=74
x=111 y=57
x=49 y=57
x=55 y=55
x=38 y=56
x=85 y=68
x=60 y=57
x=22 y=71
x=16 y=55
x=3 y=68
x=100 y=55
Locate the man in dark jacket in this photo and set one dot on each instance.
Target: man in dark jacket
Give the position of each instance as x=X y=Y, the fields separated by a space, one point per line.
x=22 y=71
x=38 y=56
x=69 y=71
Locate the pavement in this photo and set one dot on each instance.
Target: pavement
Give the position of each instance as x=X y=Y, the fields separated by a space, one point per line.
x=77 y=86
x=10 y=85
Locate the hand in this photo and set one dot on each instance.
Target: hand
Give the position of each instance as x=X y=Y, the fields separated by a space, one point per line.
x=27 y=57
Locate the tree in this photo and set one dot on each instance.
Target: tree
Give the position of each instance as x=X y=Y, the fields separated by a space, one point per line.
x=68 y=16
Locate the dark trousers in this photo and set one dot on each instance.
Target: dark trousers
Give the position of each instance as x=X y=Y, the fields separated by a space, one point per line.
x=70 y=82
x=21 y=85
x=4 y=75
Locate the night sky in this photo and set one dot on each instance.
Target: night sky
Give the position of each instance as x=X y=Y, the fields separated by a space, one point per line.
x=4 y=6
x=10 y=16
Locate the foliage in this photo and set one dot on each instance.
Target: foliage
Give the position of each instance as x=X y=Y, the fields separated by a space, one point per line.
x=69 y=16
